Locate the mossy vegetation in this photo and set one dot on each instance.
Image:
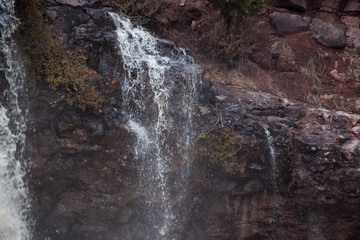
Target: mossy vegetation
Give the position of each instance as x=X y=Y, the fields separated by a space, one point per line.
x=221 y=148
x=48 y=59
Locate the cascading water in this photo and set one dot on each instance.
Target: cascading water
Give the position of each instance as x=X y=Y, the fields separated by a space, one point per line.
x=159 y=107
x=13 y=192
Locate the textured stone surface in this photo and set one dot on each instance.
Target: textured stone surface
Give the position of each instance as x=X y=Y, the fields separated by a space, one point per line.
x=289 y=23
x=353 y=37
x=352 y=6
x=351 y=21
x=327 y=34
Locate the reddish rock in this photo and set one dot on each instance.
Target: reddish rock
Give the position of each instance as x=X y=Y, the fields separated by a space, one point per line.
x=350 y=21
x=352 y=6
x=333 y=5
x=353 y=37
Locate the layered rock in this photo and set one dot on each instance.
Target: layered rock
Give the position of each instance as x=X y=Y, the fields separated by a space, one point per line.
x=315 y=191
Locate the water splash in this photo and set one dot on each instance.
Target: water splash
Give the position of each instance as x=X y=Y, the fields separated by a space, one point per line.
x=14 y=203
x=160 y=119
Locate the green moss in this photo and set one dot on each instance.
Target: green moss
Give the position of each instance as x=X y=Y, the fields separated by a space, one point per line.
x=48 y=59
x=220 y=148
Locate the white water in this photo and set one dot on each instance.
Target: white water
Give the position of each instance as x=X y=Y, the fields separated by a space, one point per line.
x=270 y=144
x=149 y=106
x=13 y=192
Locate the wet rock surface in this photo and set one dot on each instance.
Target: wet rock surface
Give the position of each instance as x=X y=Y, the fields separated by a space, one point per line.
x=83 y=177
x=316 y=189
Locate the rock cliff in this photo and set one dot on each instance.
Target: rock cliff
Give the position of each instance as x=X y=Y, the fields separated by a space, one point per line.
x=297 y=173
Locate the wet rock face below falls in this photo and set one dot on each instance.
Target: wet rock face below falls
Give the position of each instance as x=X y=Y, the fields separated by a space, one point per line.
x=316 y=188
x=84 y=178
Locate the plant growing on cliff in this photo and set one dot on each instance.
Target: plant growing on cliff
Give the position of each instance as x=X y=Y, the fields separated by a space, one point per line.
x=139 y=11
x=48 y=59
x=220 y=148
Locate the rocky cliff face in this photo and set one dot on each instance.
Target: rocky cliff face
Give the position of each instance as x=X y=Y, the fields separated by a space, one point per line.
x=314 y=194
x=298 y=168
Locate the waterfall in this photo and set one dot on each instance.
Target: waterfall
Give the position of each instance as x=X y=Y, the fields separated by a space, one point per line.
x=270 y=145
x=14 y=204
x=159 y=107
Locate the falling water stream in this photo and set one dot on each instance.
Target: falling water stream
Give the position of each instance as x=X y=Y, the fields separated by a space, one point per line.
x=270 y=145
x=13 y=192
x=159 y=108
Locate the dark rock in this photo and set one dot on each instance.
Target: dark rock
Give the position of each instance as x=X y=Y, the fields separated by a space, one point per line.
x=327 y=34
x=300 y=5
x=289 y=23
x=206 y=93
x=318 y=155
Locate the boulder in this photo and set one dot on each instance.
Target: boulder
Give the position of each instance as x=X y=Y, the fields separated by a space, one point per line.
x=289 y=23
x=327 y=34
x=285 y=58
x=350 y=21
x=352 y=6
x=353 y=37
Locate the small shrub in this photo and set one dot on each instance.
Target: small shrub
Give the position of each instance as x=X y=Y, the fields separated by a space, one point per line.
x=230 y=44
x=243 y=7
x=220 y=148
x=48 y=59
